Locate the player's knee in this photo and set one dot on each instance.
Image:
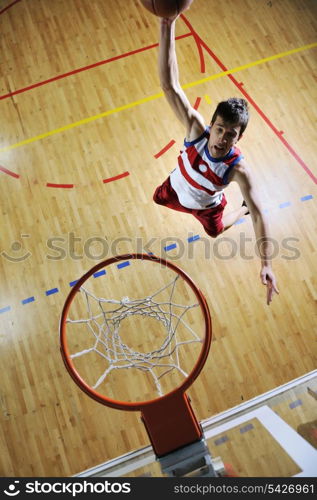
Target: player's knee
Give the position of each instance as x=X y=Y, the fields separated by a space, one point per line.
x=212 y=233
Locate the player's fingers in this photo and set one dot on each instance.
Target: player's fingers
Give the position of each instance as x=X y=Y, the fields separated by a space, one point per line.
x=269 y=293
x=272 y=280
x=274 y=285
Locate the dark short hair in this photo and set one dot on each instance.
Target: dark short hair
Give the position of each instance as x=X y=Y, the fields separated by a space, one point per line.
x=234 y=110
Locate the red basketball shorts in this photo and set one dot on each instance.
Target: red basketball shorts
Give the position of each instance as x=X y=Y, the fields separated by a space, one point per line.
x=210 y=218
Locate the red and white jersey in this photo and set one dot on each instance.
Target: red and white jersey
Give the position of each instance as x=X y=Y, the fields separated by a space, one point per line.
x=199 y=179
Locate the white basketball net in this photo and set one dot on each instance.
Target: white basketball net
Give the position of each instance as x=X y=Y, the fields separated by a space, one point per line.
x=104 y=329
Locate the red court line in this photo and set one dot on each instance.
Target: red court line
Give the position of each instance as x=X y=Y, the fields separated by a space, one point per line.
x=198 y=44
x=8 y=7
x=63 y=186
x=85 y=68
x=9 y=172
x=249 y=98
x=197 y=103
x=166 y=148
x=116 y=177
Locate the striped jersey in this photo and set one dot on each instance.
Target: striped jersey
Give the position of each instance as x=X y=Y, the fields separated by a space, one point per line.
x=199 y=179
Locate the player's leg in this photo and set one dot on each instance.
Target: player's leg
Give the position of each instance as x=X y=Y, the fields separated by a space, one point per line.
x=211 y=218
x=232 y=217
x=215 y=221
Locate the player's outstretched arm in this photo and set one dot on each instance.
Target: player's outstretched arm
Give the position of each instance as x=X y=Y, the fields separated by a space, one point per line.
x=169 y=78
x=242 y=175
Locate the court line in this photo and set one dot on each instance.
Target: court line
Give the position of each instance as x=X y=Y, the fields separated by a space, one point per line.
x=5 y=309
x=28 y=300
x=285 y=204
x=116 y=177
x=197 y=103
x=99 y=273
x=84 y=121
x=167 y=248
x=153 y=97
x=200 y=51
x=166 y=148
x=9 y=172
x=248 y=65
x=85 y=68
x=62 y=186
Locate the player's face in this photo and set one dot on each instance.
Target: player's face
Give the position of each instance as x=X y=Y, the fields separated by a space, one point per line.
x=223 y=136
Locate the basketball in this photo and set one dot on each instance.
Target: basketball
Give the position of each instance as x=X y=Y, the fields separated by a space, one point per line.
x=166 y=8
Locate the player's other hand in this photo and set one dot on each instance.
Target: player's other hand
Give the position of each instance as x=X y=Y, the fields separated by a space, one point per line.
x=268 y=279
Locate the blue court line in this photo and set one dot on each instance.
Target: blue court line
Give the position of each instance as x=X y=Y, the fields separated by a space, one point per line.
x=51 y=291
x=240 y=221
x=170 y=247
x=284 y=205
x=123 y=264
x=191 y=239
x=28 y=300
x=296 y=403
x=221 y=440
x=5 y=309
x=72 y=283
x=281 y=205
x=246 y=428
x=99 y=273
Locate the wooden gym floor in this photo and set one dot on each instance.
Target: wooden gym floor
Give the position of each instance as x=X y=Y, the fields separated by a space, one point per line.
x=85 y=138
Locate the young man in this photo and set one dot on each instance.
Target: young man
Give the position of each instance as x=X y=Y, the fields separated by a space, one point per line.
x=209 y=161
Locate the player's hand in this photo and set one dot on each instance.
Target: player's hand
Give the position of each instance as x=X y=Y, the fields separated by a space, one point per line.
x=268 y=279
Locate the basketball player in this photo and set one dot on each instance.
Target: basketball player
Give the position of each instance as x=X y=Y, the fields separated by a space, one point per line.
x=210 y=161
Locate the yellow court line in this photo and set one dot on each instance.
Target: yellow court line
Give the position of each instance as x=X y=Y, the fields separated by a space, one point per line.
x=154 y=97
x=81 y=122
x=250 y=65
